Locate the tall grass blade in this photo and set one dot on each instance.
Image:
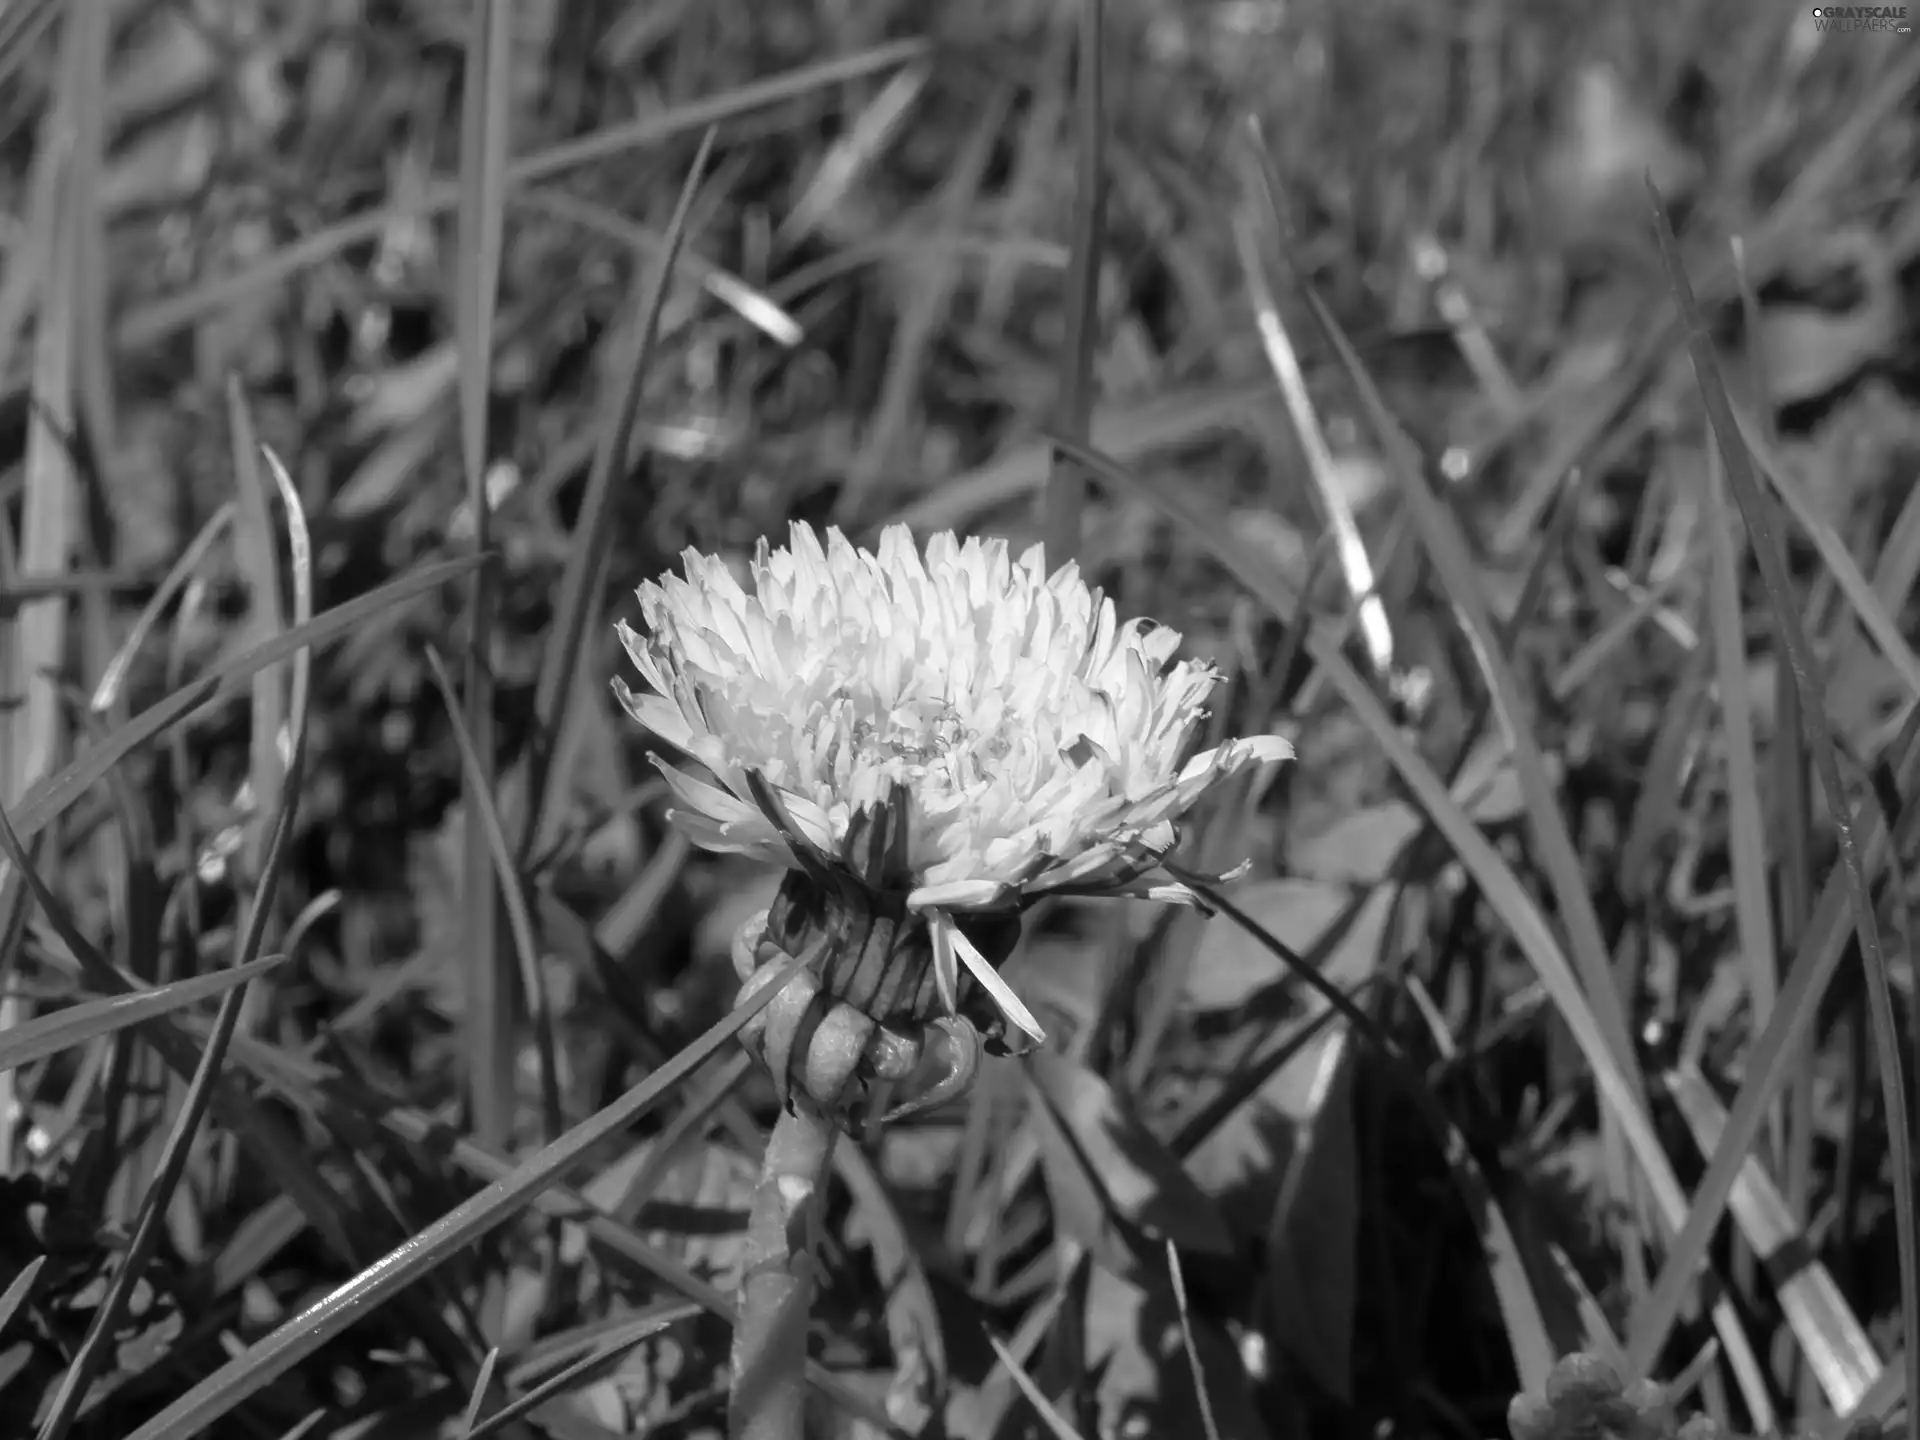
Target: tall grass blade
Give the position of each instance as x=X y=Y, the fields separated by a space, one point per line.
x=101 y=1333
x=486 y=103
x=1756 y=510
x=513 y=894
x=264 y=1362
x=1064 y=496
x=78 y=1024
x=51 y=797
x=580 y=581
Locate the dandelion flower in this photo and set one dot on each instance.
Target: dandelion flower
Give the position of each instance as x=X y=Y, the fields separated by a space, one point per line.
x=937 y=737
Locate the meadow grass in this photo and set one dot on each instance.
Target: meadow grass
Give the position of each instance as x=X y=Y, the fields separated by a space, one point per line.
x=1520 y=402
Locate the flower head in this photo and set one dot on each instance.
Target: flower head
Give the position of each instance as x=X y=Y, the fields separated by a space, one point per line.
x=1023 y=739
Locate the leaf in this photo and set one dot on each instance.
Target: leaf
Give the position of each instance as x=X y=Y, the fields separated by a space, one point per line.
x=1108 y=1175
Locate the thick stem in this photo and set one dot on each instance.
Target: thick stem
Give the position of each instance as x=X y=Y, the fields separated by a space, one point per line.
x=769 y=1391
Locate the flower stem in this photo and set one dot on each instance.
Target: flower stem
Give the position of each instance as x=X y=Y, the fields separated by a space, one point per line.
x=769 y=1389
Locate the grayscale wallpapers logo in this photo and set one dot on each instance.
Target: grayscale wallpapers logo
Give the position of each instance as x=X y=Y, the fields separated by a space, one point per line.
x=1848 y=18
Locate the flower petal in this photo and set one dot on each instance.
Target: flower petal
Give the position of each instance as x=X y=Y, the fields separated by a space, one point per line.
x=658 y=714
x=958 y=895
x=946 y=967
x=709 y=800
x=957 y=944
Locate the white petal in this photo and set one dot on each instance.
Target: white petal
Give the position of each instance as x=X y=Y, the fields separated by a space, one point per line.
x=706 y=833
x=657 y=713
x=707 y=799
x=946 y=968
x=970 y=955
x=1253 y=750
x=957 y=895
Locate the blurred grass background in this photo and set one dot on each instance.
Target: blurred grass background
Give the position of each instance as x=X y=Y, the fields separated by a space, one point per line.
x=1561 y=800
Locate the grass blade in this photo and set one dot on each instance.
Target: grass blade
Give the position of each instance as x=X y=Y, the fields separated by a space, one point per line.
x=1349 y=549
x=1055 y=1422
x=1656 y=1316
x=480 y=222
x=52 y=796
x=926 y=311
x=1504 y=893
x=617 y=1345
x=1746 y=826
x=1187 y=1343
x=587 y=557
x=326 y=1089
x=481 y=1384
x=519 y=924
x=91 y=1019
x=18 y=1289
x=113 y=678
x=149 y=324
x=1064 y=496
x=33 y=650
x=255 y=543
x=262 y=1363
x=1831 y=1338
x=103 y=1332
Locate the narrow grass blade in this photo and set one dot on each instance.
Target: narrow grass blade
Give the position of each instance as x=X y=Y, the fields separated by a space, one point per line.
x=586 y=558
x=1064 y=497
x=18 y=1289
x=756 y=307
x=103 y=1331
x=91 y=1019
x=1747 y=829
x=1179 y=1280
x=480 y=223
x=853 y=154
x=1755 y=508
x=33 y=647
x=519 y=923
x=1876 y=617
x=1349 y=549
x=113 y=678
x=264 y=1362
x=326 y=1090
x=145 y=326
x=1453 y=562
x=1055 y=1422
x=1504 y=893
x=610 y=1351
x=49 y=506
x=1126 y=432
x=52 y=796
x=1831 y=1337
x=1526 y=1323
x=481 y=1383
x=925 y=314
x=563 y=1347
x=255 y=544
